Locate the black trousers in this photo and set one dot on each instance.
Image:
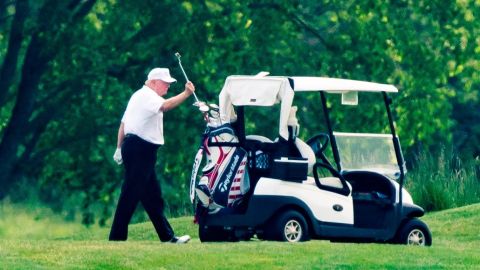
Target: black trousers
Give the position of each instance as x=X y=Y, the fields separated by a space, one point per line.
x=140 y=185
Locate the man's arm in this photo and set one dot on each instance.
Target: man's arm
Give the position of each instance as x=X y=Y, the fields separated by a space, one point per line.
x=173 y=102
x=121 y=135
x=118 y=152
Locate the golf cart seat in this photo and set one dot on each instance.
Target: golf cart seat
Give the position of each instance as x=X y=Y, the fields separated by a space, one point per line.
x=306 y=152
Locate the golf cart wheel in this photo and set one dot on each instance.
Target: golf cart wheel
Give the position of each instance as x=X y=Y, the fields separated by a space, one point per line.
x=415 y=233
x=290 y=226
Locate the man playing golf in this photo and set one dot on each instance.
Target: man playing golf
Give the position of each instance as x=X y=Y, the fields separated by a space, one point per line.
x=139 y=136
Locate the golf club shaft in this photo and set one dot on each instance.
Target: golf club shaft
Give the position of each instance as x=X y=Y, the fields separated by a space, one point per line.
x=181 y=67
x=186 y=78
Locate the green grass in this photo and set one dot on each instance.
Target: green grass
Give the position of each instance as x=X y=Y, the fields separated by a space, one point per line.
x=33 y=239
x=443 y=181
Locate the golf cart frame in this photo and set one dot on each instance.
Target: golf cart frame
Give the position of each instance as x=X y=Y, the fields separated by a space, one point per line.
x=287 y=205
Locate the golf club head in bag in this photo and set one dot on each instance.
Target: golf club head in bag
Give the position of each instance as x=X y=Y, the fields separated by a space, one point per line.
x=213 y=119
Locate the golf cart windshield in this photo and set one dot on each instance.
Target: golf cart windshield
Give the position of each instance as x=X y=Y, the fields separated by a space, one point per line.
x=366 y=151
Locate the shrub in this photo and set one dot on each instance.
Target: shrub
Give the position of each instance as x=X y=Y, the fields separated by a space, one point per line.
x=443 y=181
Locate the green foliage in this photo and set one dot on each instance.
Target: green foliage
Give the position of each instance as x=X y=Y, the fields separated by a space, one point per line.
x=443 y=181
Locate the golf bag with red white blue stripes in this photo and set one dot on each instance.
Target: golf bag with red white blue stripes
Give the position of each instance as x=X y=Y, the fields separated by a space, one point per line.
x=224 y=180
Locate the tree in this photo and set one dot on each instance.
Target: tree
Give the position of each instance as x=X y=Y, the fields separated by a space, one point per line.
x=41 y=42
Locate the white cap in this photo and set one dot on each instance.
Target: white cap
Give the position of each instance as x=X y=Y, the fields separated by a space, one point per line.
x=161 y=74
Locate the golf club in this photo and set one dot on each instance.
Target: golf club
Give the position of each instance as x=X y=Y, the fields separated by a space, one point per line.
x=201 y=105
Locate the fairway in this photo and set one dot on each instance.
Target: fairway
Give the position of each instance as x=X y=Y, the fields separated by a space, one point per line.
x=48 y=243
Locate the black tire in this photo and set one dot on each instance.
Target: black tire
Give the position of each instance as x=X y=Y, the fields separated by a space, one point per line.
x=214 y=234
x=414 y=232
x=289 y=226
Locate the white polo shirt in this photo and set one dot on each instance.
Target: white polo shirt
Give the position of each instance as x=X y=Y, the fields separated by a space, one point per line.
x=143 y=116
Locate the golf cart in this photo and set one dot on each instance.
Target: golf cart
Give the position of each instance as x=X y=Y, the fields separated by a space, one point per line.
x=295 y=191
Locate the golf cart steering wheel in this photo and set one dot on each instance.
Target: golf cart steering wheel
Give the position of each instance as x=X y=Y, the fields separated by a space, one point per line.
x=319 y=143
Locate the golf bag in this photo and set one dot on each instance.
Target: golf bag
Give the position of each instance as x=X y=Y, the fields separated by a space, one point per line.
x=224 y=180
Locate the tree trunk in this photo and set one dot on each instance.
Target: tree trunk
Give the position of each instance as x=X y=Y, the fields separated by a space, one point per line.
x=39 y=52
x=9 y=65
x=33 y=68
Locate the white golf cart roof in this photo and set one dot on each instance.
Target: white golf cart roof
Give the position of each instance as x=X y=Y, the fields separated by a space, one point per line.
x=333 y=85
x=270 y=90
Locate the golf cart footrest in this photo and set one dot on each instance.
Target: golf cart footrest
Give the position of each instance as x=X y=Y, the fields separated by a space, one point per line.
x=290 y=169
